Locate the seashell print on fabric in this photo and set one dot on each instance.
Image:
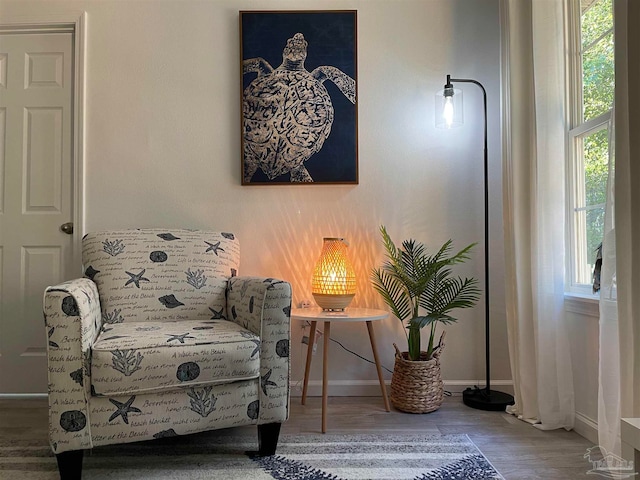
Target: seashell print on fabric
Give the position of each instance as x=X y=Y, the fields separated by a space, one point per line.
x=52 y=344
x=77 y=376
x=253 y=410
x=91 y=272
x=170 y=301
x=70 y=307
x=282 y=348
x=150 y=328
x=73 y=420
x=158 y=256
x=188 y=371
x=168 y=236
x=166 y=434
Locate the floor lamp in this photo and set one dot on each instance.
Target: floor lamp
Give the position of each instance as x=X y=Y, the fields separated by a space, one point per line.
x=448 y=115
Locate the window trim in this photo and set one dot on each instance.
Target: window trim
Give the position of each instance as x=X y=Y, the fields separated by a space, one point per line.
x=577 y=236
x=577 y=129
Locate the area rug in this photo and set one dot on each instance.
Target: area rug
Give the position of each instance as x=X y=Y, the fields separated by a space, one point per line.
x=301 y=457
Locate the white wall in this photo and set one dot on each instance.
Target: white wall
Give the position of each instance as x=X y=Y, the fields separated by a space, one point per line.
x=163 y=149
x=582 y=317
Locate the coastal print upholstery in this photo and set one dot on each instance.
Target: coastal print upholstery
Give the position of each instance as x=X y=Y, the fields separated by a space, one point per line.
x=143 y=357
x=264 y=306
x=148 y=346
x=156 y=275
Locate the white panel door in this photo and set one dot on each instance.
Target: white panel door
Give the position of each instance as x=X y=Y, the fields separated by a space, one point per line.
x=36 y=169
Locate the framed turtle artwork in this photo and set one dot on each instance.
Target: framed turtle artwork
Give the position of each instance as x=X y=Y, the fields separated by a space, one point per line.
x=299 y=97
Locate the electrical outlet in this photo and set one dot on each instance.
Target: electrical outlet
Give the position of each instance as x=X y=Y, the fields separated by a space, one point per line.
x=305 y=340
x=317 y=337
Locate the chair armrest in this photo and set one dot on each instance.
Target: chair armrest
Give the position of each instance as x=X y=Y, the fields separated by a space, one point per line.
x=263 y=306
x=73 y=321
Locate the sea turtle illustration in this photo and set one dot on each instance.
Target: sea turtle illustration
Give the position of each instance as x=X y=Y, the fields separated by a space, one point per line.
x=287 y=112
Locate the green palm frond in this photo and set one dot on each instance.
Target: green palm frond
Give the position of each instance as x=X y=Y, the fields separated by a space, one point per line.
x=411 y=280
x=423 y=321
x=393 y=293
x=450 y=294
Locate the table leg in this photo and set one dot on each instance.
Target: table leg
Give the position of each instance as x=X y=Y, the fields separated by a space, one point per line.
x=312 y=337
x=372 y=338
x=325 y=370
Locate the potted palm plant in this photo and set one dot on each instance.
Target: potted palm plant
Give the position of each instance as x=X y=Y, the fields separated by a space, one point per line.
x=421 y=291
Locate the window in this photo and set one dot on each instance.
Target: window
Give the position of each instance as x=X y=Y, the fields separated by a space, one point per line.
x=591 y=93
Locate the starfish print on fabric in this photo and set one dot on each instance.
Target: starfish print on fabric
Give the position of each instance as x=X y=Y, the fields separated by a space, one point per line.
x=265 y=382
x=88 y=297
x=52 y=344
x=253 y=338
x=179 y=338
x=272 y=283
x=243 y=289
x=217 y=315
x=257 y=349
x=123 y=409
x=136 y=278
x=213 y=247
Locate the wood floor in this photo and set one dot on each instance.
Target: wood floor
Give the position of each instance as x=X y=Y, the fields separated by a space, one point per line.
x=518 y=450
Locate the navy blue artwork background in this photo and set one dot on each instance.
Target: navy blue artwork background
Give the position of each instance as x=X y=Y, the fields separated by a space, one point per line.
x=332 y=42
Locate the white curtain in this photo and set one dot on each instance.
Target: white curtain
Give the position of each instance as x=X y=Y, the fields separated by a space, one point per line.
x=609 y=363
x=619 y=378
x=534 y=211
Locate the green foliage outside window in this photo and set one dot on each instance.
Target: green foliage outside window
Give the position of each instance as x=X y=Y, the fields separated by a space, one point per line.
x=596 y=158
x=597 y=59
x=598 y=83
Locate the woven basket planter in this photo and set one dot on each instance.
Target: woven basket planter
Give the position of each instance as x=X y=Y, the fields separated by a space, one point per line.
x=416 y=386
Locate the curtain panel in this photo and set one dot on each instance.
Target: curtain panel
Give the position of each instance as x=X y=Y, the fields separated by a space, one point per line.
x=534 y=211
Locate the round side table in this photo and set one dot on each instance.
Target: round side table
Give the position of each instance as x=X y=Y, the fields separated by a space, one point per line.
x=315 y=315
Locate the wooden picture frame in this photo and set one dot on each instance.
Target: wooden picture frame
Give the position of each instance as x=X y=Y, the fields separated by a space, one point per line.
x=299 y=122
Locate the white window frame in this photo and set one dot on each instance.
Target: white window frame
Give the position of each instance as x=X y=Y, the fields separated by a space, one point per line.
x=576 y=253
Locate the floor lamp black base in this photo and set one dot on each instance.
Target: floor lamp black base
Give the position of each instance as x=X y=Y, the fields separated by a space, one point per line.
x=484 y=399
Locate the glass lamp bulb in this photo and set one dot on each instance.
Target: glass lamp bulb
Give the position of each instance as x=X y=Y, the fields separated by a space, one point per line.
x=447 y=112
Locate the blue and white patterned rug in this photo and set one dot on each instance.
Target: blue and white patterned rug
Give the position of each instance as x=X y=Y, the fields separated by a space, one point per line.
x=301 y=457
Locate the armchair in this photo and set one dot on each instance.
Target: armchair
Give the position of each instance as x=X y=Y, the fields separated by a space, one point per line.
x=162 y=338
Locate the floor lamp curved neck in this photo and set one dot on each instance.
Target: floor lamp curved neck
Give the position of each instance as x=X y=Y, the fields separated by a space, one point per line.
x=450 y=116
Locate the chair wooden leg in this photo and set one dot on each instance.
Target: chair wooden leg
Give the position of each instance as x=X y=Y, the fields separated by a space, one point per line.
x=268 y=434
x=70 y=464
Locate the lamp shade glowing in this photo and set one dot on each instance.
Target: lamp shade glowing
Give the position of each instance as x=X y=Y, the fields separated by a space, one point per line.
x=333 y=284
x=448 y=108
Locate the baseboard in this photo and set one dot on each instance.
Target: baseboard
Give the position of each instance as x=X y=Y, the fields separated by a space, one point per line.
x=22 y=396
x=371 y=388
x=586 y=427
x=337 y=388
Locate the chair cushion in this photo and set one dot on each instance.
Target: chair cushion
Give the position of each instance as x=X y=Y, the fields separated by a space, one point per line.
x=158 y=275
x=138 y=357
